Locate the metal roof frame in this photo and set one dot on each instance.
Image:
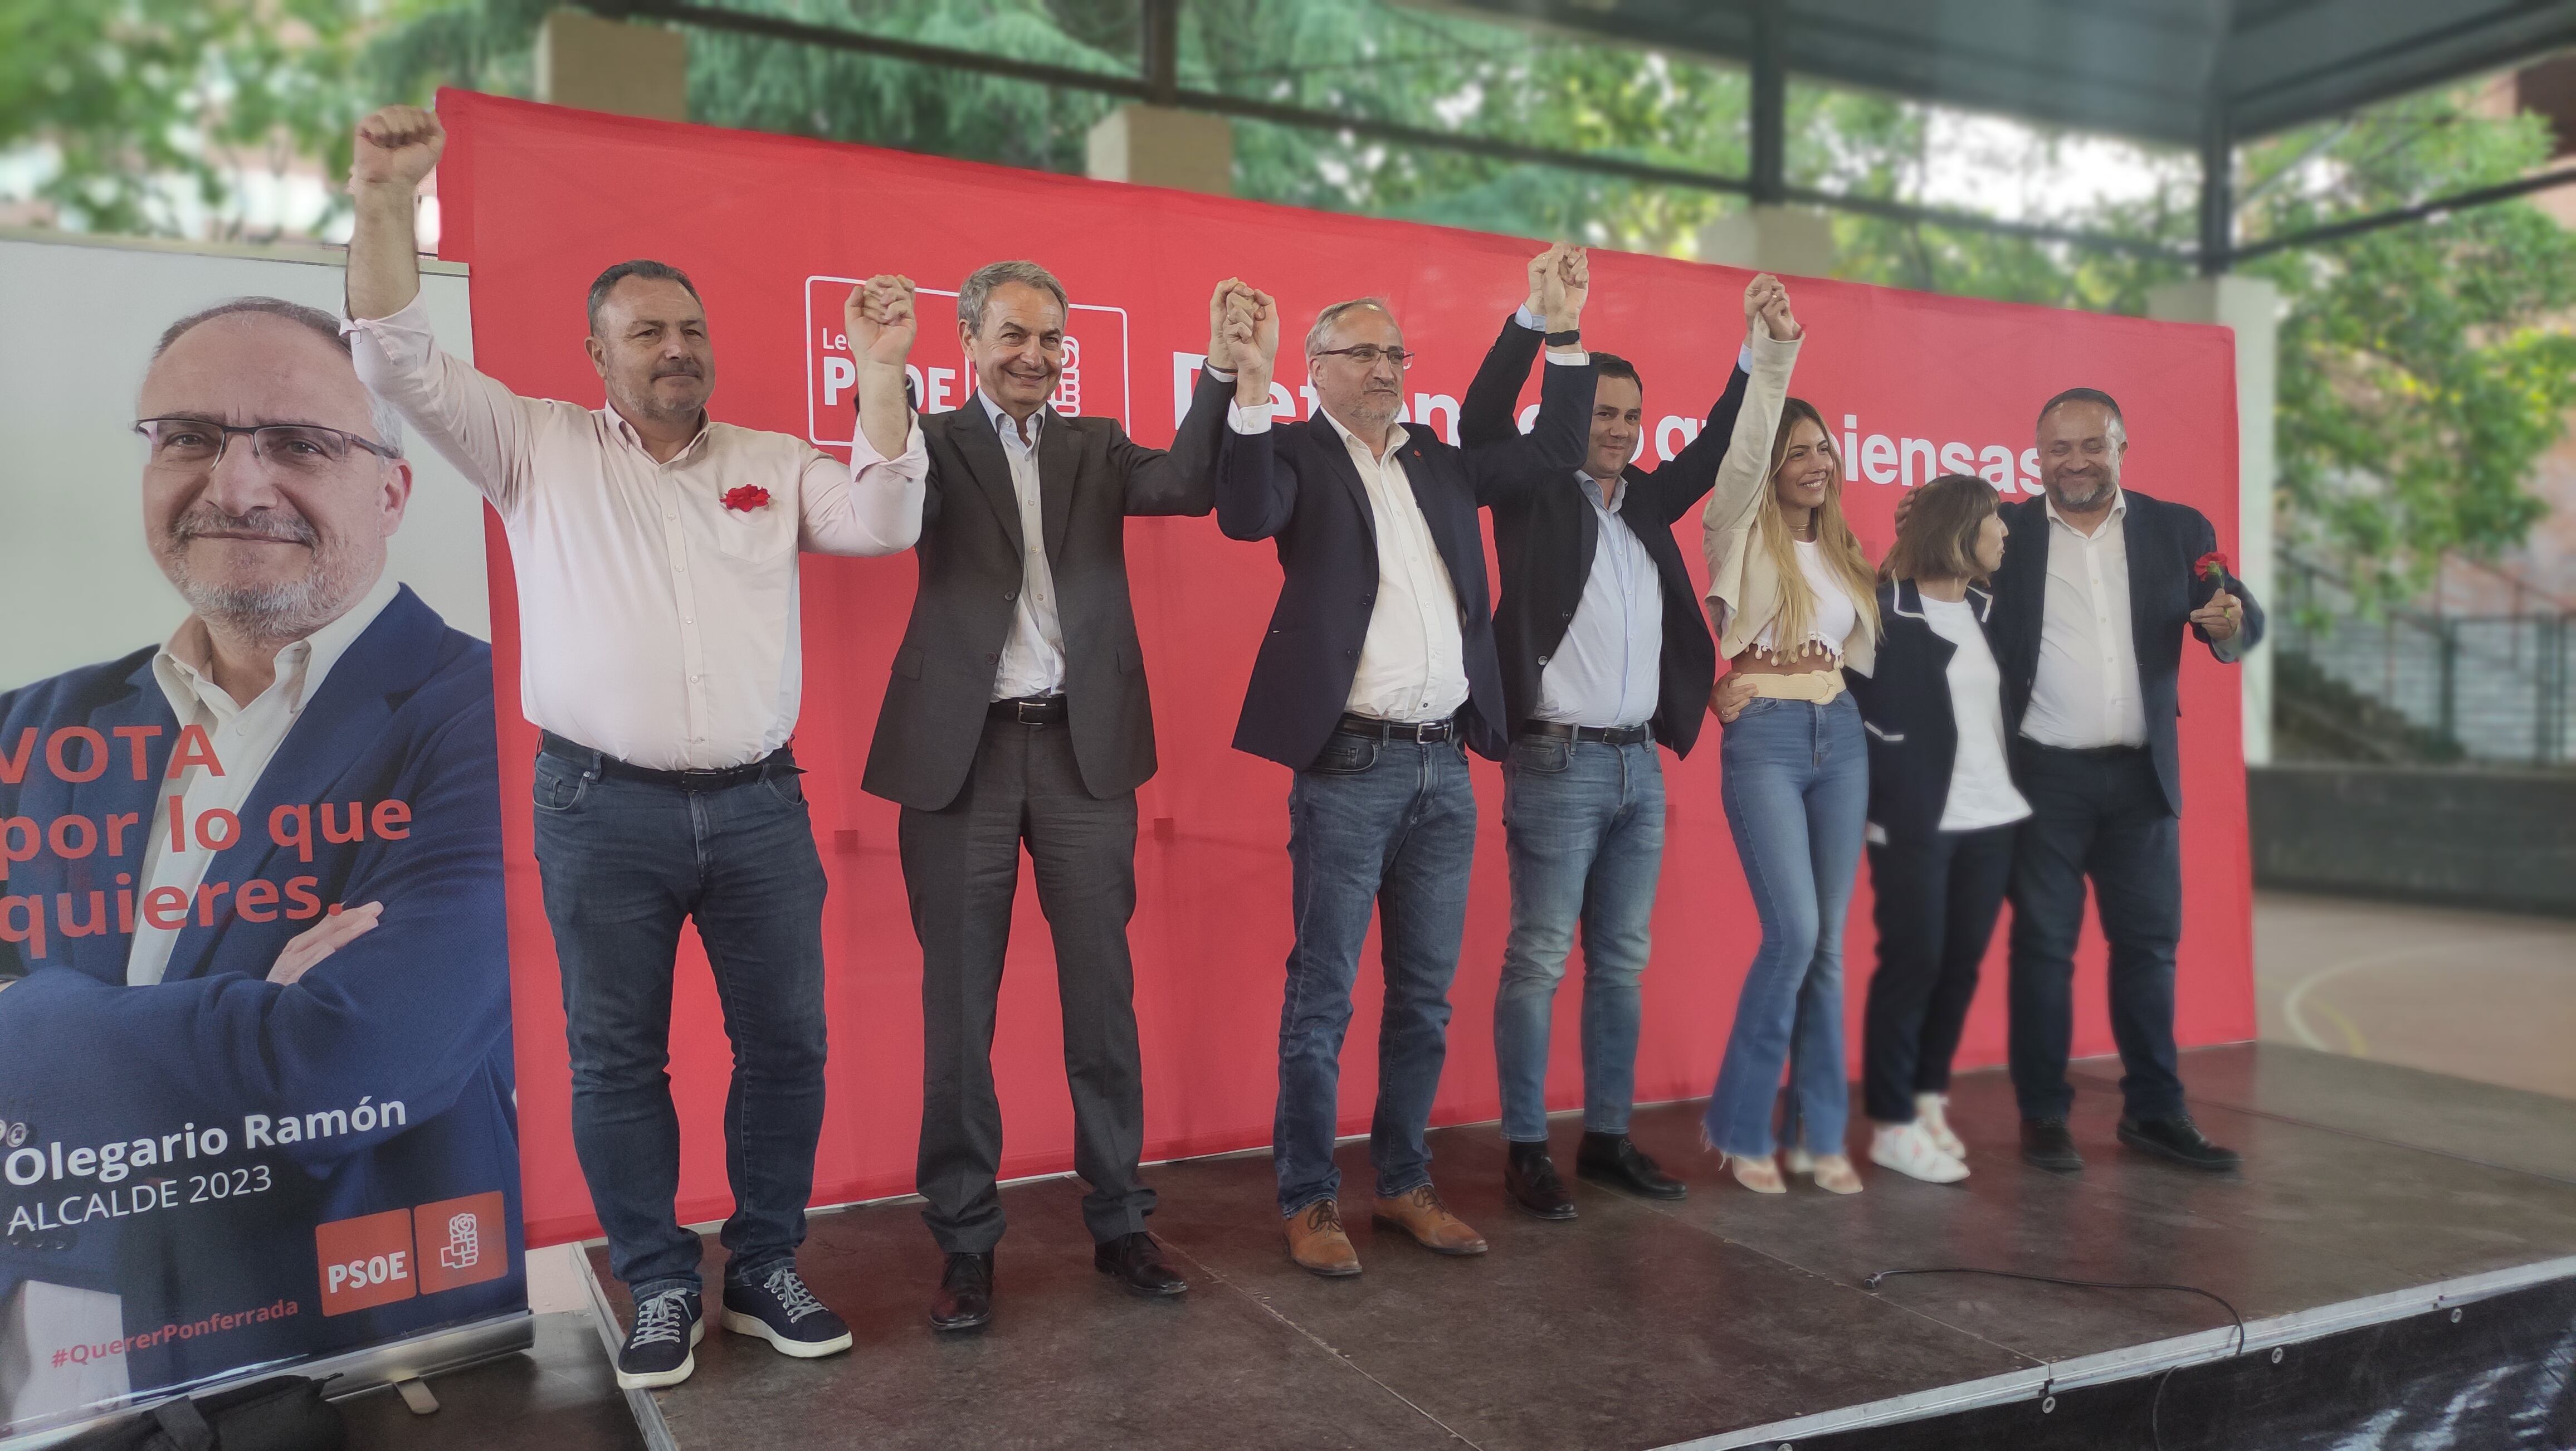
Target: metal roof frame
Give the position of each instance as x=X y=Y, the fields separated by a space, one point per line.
x=2204 y=73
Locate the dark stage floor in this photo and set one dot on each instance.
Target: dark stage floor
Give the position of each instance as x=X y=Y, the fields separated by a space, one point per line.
x=1638 y=1325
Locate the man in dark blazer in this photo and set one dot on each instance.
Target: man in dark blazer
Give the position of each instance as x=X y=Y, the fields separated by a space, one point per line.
x=1379 y=663
x=2098 y=585
x=296 y=970
x=1017 y=713
x=1604 y=652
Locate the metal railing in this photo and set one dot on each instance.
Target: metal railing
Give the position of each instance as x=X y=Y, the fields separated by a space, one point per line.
x=2495 y=685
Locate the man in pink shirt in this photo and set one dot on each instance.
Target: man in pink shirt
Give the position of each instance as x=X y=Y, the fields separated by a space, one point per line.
x=656 y=559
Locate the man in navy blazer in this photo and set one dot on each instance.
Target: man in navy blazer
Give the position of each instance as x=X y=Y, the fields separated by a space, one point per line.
x=2098 y=587
x=354 y=1062
x=1379 y=663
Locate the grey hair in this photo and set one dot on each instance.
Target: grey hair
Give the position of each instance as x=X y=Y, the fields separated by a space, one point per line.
x=976 y=292
x=388 y=423
x=1325 y=320
x=644 y=267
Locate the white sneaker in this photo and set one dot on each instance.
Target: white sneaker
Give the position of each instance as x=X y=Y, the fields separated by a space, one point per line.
x=1930 y=1111
x=1909 y=1150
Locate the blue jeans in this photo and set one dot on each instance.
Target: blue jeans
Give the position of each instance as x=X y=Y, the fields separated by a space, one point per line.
x=1795 y=779
x=1390 y=824
x=1584 y=822
x=623 y=863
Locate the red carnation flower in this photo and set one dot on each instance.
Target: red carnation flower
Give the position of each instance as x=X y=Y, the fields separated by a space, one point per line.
x=2212 y=565
x=746 y=497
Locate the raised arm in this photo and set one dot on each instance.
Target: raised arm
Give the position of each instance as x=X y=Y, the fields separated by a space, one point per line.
x=1563 y=434
x=1256 y=491
x=1487 y=415
x=1690 y=474
x=1182 y=479
x=1773 y=335
x=873 y=505
x=474 y=422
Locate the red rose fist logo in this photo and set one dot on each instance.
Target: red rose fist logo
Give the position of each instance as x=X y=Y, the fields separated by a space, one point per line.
x=746 y=498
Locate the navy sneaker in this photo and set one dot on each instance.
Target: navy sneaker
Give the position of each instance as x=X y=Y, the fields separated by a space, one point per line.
x=660 y=1347
x=779 y=1309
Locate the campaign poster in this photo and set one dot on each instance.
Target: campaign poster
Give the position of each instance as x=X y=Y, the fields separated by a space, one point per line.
x=257 y=1099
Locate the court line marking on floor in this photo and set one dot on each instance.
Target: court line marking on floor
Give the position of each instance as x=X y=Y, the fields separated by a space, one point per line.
x=2294 y=1003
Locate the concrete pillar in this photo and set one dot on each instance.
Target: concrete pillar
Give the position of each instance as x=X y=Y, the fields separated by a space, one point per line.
x=1794 y=240
x=1161 y=146
x=2252 y=307
x=608 y=65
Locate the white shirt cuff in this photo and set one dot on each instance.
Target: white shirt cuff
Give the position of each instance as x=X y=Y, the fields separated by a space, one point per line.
x=1222 y=375
x=1744 y=357
x=1529 y=319
x=404 y=339
x=1572 y=357
x=1255 y=419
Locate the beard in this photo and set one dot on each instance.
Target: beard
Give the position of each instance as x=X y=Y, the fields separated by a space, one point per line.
x=2073 y=495
x=278 y=610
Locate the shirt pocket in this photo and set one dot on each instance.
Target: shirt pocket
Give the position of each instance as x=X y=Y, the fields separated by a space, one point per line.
x=757 y=535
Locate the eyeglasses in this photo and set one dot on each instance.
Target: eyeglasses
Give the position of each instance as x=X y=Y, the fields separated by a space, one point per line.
x=1367 y=356
x=296 y=447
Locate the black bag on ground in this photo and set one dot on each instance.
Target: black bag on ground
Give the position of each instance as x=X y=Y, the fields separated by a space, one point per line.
x=281 y=1413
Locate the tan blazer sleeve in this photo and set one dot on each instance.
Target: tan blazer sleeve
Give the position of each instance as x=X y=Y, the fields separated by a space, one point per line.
x=1741 y=479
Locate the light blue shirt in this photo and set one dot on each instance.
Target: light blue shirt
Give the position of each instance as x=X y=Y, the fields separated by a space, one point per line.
x=1607 y=669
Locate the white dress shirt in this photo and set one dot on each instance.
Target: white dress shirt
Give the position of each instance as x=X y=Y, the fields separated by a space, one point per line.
x=1033 y=656
x=2085 y=694
x=656 y=622
x=1981 y=788
x=246 y=736
x=1607 y=671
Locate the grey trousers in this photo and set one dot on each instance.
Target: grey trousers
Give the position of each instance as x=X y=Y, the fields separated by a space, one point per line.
x=961 y=868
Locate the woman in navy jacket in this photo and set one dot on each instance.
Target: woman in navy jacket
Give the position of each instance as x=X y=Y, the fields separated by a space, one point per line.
x=1942 y=810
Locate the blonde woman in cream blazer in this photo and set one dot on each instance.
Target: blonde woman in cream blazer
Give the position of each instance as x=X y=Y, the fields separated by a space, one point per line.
x=1793 y=600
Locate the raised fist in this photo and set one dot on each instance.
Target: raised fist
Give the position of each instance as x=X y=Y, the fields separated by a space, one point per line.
x=1539 y=266
x=1563 y=288
x=1766 y=303
x=1220 y=352
x=879 y=316
x=1252 y=330
x=396 y=146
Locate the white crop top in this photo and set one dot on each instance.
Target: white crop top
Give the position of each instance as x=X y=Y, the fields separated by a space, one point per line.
x=1832 y=620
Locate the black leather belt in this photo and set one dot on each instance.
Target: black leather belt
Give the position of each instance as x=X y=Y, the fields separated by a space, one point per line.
x=575 y=753
x=1607 y=735
x=1396 y=730
x=2087 y=753
x=1031 y=709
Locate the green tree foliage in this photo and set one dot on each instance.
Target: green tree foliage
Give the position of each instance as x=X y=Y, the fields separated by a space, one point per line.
x=2423 y=368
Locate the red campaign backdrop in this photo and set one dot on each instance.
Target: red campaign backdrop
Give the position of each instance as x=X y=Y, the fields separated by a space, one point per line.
x=539 y=199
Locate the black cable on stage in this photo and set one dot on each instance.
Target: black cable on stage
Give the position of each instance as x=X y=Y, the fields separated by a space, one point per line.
x=2155 y=1405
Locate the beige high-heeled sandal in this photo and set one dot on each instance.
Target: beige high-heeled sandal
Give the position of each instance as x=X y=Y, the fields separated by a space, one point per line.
x=1835 y=1175
x=1760 y=1175
x=1757 y=1174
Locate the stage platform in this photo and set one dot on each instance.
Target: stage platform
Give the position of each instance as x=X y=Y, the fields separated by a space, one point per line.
x=2378 y=1206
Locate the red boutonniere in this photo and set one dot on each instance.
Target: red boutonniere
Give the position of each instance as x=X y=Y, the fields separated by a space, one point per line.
x=746 y=497
x=2212 y=566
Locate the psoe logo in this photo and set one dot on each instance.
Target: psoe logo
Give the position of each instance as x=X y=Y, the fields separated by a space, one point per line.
x=1094 y=384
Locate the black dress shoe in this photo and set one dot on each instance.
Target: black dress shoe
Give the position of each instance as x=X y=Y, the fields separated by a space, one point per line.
x=1529 y=1176
x=2045 y=1144
x=965 y=1293
x=1615 y=1159
x=1135 y=1261
x=2180 y=1140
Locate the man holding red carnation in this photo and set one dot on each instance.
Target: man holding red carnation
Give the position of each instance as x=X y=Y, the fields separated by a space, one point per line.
x=2098 y=585
x=656 y=561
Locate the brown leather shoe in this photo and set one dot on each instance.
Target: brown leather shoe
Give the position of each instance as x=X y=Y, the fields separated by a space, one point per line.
x=1419 y=1212
x=1316 y=1241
